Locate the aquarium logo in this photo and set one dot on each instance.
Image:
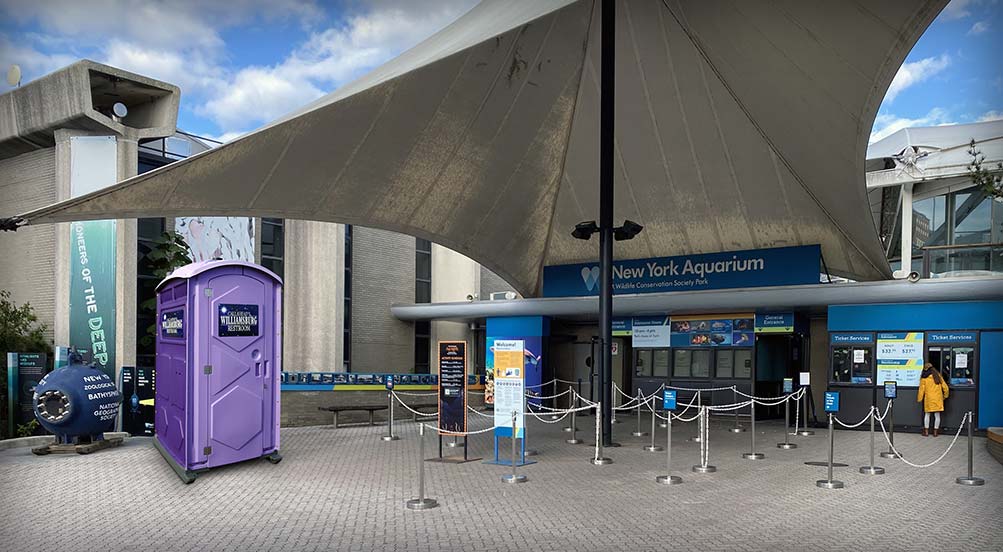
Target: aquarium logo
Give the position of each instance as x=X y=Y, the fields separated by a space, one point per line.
x=590 y=276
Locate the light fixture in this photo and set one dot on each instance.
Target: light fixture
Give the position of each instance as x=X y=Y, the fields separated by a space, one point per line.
x=584 y=230
x=627 y=231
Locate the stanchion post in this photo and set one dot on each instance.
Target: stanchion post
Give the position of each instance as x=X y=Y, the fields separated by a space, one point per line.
x=699 y=436
x=734 y=400
x=828 y=483
x=805 y=432
x=422 y=502
x=753 y=455
x=574 y=440
x=872 y=469
x=653 y=447
x=668 y=478
x=639 y=433
x=514 y=477
x=616 y=399
x=572 y=400
x=787 y=444
x=390 y=419
x=704 y=428
x=890 y=453
x=600 y=459
x=971 y=479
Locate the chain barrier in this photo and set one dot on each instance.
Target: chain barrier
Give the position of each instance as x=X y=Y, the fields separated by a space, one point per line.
x=459 y=433
x=413 y=411
x=888 y=406
x=966 y=419
x=544 y=384
x=858 y=424
x=539 y=397
x=406 y=394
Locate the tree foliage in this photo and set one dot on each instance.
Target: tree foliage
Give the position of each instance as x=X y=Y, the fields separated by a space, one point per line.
x=988 y=180
x=20 y=332
x=169 y=252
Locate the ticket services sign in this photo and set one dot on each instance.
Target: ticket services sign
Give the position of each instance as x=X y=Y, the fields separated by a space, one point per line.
x=900 y=357
x=452 y=387
x=510 y=387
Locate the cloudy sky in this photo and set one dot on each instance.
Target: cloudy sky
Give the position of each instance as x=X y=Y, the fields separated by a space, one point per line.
x=243 y=63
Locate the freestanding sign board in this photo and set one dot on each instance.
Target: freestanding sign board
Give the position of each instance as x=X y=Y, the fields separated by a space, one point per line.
x=24 y=370
x=136 y=384
x=510 y=388
x=452 y=387
x=832 y=401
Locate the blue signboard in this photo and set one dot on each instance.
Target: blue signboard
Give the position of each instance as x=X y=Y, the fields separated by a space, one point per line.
x=704 y=331
x=950 y=337
x=832 y=401
x=779 y=266
x=851 y=338
x=775 y=323
x=622 y=326
x=669 y=399
x=238 y=320
x=890 y=390
x=172 y=324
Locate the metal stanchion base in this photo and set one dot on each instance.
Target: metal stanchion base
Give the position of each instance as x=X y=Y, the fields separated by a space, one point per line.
x=888 y=454
x=555 y=417
x=514 y=478
x=738 y=429
x=663 y=425
x=532 y=452
x=872 y=470
x=704 y=469
x=806 y=433
x=639 y=433
x=601 y=461
x=653 y=448
x=452 y=444
x=669 y=479
x=753 y=455
x=786 y=446
x=390 y=438
x=694 y=439
x=421 y=504
x=972 y=481
x=573 y=441
x=826 y=484
x=614 y=421
x=567 y=429
x=823 y=464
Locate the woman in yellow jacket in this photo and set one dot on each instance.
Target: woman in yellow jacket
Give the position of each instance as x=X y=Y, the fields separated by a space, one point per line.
x=932 y=392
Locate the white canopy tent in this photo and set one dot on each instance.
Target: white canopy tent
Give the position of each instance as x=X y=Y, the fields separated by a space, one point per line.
x=739 y=125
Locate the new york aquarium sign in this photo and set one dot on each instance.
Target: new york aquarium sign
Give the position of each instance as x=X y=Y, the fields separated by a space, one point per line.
x=779 y=266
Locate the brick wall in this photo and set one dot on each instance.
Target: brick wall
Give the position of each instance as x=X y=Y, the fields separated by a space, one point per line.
x=299 y=408
x=382 y=274
x=27 y=182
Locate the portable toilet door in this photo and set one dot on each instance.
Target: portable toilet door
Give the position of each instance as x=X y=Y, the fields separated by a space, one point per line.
x=239 y=355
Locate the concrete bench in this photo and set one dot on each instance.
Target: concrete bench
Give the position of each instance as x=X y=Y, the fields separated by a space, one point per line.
x=338 y=409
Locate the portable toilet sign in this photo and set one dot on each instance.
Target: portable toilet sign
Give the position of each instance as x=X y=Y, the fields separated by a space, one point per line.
x=219 y=336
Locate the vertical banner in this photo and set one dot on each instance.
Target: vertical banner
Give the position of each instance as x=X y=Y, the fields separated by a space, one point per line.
x=900 y=358
x=452 y=387
x=93 y=165
x=510 y=387
x=532 y=331
x=24 y=371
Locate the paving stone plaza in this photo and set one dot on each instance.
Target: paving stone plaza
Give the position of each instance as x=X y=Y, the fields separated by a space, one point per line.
x=345 y=489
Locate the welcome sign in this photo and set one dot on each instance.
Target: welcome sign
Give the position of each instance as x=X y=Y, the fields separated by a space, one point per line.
x=779 y=266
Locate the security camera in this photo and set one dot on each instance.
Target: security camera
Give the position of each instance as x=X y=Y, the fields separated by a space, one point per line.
x=470 y=297
x=913 y=277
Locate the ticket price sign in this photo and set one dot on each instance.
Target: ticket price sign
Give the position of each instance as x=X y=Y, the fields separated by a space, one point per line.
x=900 y=357
x=891 y=391
x=832 y=401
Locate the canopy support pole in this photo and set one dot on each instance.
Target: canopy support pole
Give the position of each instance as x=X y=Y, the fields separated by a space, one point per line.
x=606 y=152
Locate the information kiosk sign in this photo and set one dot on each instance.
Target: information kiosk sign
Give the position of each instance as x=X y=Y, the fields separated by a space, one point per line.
x=832 y=401
x=669 y=399
x=452 y=387
x=510 y=387
x=891 y=392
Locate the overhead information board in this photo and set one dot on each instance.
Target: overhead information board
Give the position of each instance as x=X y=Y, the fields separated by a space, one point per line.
x=650 y=331
x=900 y=357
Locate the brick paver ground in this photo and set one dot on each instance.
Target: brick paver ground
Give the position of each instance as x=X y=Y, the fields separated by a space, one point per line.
x=345 y=489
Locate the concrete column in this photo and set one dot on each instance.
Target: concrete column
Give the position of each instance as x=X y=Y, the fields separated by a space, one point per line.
x=314 y=297
x=906 y=239
x=454 y=277
x=125 y=265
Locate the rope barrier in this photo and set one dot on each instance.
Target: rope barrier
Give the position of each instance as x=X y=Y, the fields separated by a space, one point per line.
x=858 y=424
x=966 y=419
x=413 y=411
x=406 y=394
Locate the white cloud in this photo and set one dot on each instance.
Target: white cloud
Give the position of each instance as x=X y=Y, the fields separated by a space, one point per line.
x=991 y=116
x=957 y=9
x=887 y=124
x=978 y=28
x=31 y=61
x=915 y=72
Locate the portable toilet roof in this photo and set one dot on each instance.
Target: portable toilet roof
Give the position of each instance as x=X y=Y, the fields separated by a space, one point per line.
x=191 y=270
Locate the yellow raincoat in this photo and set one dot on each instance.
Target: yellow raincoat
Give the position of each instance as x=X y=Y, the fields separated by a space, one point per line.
x=932 y=395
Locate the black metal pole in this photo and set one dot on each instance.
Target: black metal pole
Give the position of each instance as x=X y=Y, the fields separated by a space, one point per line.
x=606 y=135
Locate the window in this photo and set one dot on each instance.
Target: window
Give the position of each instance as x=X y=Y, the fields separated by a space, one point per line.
x=955 y=362
x=972 y=217
x=929 y=219
x=691 y=363
x=853 y=364
x=273 y=245
x=642 y=362
x=743 y=363
x=148 y=232
x=347 y=342
x=422 y=294
x=660 y=363
x=725 y=365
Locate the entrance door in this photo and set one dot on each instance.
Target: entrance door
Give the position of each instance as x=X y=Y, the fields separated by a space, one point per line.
x=583 y=367
x=239 y=353
x=618 y=365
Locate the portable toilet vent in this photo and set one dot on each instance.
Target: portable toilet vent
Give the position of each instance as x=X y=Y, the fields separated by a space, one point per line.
x=219 y=350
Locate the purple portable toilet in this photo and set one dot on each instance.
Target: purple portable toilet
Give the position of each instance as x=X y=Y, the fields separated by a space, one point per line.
x=219 y=350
